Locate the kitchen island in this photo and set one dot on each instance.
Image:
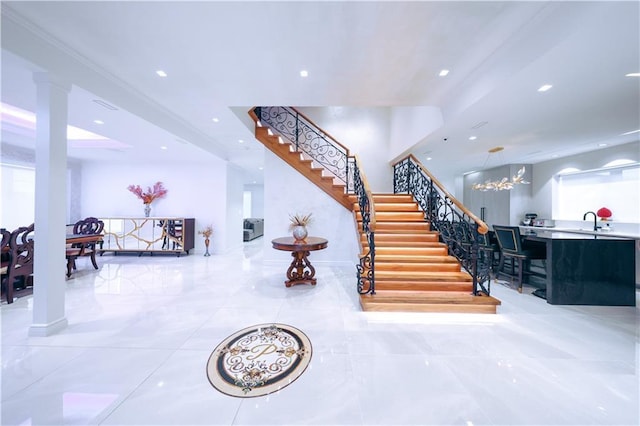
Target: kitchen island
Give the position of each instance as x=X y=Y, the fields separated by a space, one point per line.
x=587 y=269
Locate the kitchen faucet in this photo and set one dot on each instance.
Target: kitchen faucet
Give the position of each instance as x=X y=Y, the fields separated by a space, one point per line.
x=595 y=220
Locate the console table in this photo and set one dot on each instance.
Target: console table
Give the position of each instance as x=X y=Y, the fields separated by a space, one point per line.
x=300 y=271
x=148 y=235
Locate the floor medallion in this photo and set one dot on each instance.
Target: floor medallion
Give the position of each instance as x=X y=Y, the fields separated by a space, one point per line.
x=259 y=360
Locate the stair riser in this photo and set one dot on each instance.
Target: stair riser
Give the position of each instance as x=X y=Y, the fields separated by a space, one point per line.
x=415 y=259
x=459 y=309
x=396 y=217
x=403 y=238
x=422 y=251
x=417 y=267
x=426 y=286
x=396 y=207
x=393 y=198
x=401 y=245
x=422 y=276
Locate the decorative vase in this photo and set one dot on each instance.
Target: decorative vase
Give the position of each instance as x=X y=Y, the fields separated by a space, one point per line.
x=206 y=244
x=299 y=232
x=147 y=210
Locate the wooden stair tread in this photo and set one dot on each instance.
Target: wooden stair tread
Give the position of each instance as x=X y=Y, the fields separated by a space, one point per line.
x=419 y=275
x=411 y=259
x=408 y=244
x=466 y=286
x=455 y=297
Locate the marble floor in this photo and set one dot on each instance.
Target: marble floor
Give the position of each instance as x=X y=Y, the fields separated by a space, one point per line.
x=141 y=331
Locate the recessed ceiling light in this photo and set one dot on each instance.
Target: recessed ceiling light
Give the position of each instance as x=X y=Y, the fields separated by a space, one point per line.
x=473 y=138
x=215 y=119
x=545 y=87
x=428 y=158
x=304 y=73
x=98 y=121
x=161 y=73
x=260 y=168
x=443 y=73
x=554 y=156
x=240 y=141
x=602 y=144
x=630 y=133
x=163 y=147
x=633 y=74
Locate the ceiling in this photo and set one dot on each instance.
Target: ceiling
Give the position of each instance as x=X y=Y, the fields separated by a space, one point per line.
x=221 y=58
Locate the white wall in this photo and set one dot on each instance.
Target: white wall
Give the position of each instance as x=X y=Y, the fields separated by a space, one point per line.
x=288 y=192
x=409 y=125
x=544 y=175
x=197 y=190
x=365 y=132
x=257 y=199
x=233 y=224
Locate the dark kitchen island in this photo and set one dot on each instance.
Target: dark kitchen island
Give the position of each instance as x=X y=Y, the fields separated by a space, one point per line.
x=585 y=269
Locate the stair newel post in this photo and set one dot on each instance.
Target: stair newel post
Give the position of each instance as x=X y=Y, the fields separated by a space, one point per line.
x=297 y=129
x=347 y=174
x=474 y=259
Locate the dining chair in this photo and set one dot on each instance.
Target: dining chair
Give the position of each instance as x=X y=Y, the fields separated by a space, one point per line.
x=21 y=249
x=87 y=226
x=4 y=253
x=512 y=252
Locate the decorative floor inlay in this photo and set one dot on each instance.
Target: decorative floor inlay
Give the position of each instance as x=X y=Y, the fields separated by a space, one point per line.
x=259 y=360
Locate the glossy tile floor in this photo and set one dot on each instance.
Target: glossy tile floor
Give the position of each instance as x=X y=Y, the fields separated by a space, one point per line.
x=141 y=330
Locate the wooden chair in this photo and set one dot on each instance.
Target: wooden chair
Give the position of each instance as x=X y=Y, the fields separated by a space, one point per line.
x=21 y=249
x=5 y=255
x=513 y=252
x=87 y=226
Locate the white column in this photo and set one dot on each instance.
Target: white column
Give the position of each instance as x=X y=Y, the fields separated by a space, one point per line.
x=50 y=216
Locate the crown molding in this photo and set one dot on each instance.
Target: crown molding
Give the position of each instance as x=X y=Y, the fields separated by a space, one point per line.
x=180 y=127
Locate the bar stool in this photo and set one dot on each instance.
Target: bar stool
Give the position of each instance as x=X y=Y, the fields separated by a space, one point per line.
x=512 y=252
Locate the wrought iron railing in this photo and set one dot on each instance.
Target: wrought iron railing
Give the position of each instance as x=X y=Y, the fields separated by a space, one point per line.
x=460 y=230
x=308 y=138
x=334 y=157
x=366 y=266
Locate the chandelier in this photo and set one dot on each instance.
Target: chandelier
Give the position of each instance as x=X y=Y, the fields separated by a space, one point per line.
x=503 y=184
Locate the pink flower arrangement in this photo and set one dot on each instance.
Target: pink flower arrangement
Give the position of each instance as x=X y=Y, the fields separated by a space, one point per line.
x=148 y=197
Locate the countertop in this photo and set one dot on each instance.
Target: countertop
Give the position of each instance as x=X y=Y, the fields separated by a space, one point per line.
x=570 y=231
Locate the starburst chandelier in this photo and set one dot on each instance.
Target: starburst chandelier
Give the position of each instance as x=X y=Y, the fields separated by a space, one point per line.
x=504 y=184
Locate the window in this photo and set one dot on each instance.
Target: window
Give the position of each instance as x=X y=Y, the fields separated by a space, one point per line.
x=617 y=188
x=18 y=185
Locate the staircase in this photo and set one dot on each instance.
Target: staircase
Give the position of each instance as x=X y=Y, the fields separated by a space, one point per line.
x=303 y=164
x=413 y=271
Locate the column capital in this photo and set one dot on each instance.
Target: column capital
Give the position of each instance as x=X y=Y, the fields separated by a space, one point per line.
x=48 y=79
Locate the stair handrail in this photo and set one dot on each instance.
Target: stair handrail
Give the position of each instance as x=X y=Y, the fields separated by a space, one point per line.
x=462 y=231
x=310 y=139
x=366 y=265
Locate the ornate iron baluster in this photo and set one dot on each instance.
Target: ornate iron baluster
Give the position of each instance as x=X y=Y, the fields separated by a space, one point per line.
x=366 y=266
x=307 y=138
x=457 y=230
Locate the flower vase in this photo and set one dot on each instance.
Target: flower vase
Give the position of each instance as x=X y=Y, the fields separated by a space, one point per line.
x=147 y=210
x=299 y=232
x=206 y=244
